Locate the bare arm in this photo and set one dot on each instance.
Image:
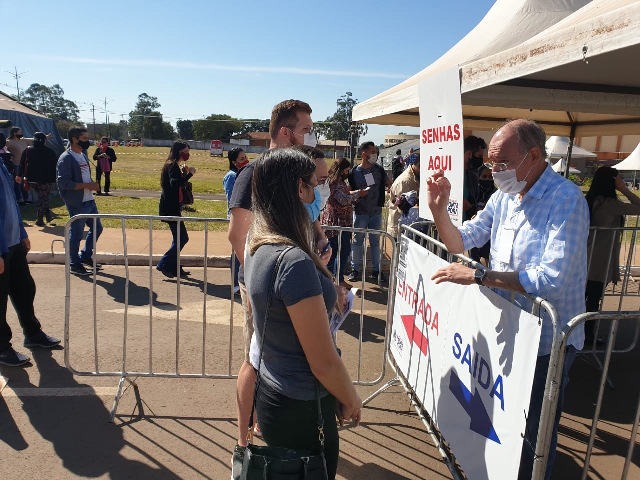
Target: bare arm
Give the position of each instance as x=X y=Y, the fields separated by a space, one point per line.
x=438 y=190
x=457 y=273
x=311 y=324
x=239 y=223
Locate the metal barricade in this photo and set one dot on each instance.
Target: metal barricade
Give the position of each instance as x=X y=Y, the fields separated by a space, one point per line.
x=555 y=374
x=377 y=235
x=109 y=343
x=419 y=233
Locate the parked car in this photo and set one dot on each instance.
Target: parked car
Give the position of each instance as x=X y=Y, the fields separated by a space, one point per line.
x=133 y=142
x=216 y=148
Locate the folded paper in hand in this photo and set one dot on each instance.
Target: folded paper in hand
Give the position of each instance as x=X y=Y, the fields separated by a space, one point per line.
x=338 y=318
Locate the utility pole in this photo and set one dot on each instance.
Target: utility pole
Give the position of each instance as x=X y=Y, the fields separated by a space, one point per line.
x=93 y=112
x=16 y=76
x=106 y=118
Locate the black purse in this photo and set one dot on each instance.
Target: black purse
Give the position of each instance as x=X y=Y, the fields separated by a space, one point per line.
x=255 y=462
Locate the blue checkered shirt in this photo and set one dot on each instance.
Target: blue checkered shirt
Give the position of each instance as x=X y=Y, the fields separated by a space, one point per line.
x=546 y=233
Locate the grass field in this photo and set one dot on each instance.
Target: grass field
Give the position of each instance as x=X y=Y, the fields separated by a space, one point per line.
x=139 y=168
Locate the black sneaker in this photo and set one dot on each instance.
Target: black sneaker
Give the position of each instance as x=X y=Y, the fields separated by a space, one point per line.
x=11 y=358
x=377 y=276
x=79 y=269
x=89 y=263
x=41 y=340
x=354 y=276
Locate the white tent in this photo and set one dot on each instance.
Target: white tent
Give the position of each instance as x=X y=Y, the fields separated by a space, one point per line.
x=578 y=75
x=560 y=166
x=632 y=162
x=558 y=147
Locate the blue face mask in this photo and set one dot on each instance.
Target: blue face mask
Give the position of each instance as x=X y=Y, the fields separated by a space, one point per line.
x=314 y=208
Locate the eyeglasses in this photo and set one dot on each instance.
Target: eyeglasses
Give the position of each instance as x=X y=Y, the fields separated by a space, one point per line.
x=500 y=166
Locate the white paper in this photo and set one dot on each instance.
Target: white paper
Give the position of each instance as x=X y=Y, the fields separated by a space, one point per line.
x=368 y=177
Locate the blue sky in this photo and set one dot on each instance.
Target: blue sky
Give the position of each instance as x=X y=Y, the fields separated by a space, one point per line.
x=235 y=57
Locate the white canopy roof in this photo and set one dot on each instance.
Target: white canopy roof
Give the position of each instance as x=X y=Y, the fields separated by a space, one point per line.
x=632 y=162
x=561 y=164
x=559 y=146
x=526 y=59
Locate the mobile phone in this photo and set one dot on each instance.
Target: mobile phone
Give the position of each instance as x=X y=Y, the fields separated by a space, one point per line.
x=326 y=248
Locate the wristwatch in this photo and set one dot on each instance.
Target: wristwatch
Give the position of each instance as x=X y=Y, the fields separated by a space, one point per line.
x=479 y=275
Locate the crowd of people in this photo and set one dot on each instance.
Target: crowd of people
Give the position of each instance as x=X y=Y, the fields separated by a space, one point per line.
x=291 y=273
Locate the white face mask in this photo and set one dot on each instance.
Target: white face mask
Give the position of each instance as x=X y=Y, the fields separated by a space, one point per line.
x=324 y=191
x=373 y=158
x=507 y=181
x=310 y=139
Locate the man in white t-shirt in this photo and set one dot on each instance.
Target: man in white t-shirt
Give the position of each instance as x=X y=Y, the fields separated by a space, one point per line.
x=74 y=181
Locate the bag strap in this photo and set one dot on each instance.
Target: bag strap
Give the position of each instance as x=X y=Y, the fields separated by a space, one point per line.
x=258 y=376
x=26 y=162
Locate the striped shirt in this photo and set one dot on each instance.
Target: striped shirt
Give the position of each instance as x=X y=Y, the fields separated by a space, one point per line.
x=543 y=237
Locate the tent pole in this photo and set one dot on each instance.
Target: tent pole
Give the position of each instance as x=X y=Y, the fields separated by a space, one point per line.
x=572 y=136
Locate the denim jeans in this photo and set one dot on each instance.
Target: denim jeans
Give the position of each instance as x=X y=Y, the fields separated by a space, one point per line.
x=169 y=261
x=77 y=229
x=535 y=408
x=372 y=222
x=344 y=254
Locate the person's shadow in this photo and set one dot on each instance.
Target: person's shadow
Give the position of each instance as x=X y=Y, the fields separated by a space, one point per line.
x=117 y=287
x=77 y=427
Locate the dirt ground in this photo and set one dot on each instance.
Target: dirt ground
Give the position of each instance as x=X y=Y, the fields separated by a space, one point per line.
x=54 y=424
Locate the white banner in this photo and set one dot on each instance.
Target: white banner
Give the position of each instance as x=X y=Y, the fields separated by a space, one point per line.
x=469 y=356
x=441 y=138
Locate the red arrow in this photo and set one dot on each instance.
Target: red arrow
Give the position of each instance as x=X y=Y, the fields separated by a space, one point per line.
x=414 y=334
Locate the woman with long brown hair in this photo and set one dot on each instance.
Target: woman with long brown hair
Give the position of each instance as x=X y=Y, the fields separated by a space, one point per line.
x=299 y=360
x=172 y=179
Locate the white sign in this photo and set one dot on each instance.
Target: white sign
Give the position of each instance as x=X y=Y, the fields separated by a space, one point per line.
x=441 y=138
x=469 y=355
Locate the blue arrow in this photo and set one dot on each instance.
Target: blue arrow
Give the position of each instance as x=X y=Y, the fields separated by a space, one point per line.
x=472 y=404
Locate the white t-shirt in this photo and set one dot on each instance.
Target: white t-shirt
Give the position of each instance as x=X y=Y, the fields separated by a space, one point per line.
x=86 y=173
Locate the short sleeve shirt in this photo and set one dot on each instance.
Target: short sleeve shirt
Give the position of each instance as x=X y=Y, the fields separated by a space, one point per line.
x=241 y=198
x=86 y=173
x=284 y=365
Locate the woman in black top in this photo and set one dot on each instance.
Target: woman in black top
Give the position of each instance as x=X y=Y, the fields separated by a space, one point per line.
x=172 y=179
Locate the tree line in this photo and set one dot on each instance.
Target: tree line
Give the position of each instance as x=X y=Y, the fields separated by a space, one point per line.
x=146 y=119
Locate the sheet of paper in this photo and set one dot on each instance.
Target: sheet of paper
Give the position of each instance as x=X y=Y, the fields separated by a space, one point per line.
x=368 y=177
x=338 y=318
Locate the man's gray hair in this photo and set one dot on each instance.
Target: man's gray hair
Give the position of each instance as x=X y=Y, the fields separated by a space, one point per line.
x=529 y=135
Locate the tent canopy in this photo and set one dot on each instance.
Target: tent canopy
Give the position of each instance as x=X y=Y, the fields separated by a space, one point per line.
x=560 y=166
x=578 y=75
x=30 y=121
x=559 y=146
x=632 y=162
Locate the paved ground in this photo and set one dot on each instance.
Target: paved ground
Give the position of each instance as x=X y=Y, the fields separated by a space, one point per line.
x=53 y=424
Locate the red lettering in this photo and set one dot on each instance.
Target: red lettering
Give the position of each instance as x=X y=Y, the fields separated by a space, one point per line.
x=445 y=133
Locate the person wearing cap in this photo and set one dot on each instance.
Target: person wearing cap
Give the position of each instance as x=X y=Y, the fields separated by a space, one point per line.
x=409 y=180
x=38 y=168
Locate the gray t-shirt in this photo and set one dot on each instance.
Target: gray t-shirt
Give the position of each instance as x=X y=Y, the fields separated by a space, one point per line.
x=284 y=365
x=363 y=177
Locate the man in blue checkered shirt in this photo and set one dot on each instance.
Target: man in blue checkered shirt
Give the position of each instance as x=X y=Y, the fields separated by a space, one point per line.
x=538 y=224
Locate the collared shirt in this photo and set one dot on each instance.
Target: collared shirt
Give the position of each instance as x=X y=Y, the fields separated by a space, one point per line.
x=543 y=237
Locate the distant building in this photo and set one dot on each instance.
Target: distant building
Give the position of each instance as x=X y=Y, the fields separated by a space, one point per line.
x=253 y=139
x=390 y=140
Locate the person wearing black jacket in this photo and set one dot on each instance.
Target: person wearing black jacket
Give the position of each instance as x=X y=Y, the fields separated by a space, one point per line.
x=172 y=179
x=104 y=157
x=38 y=169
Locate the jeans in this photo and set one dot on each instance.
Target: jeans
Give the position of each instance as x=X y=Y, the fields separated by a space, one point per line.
x=344 y=254
x=77 y=229
x=236 y=268
x=372 y=222
x=17 y=284
x=535 y=408
x=169 y=261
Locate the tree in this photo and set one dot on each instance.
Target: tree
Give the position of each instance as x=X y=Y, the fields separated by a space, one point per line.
x=217 y=127
x=140 y=123
x=185 y=129
x=255 y=126
x=50 y=101
x=339 y=125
